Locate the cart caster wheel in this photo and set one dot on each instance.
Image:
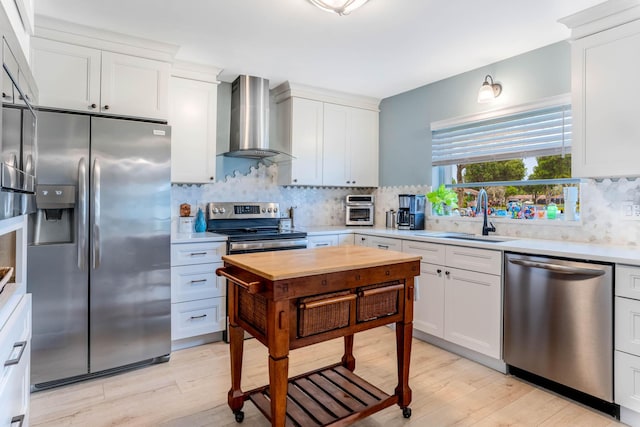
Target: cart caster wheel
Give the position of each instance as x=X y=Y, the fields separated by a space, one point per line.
x=406 y=412
x=239 y=416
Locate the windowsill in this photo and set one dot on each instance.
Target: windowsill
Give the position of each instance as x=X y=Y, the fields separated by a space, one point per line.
x=503 y=220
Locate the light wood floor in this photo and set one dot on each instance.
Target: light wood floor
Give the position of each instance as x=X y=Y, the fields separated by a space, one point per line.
x=190 y=390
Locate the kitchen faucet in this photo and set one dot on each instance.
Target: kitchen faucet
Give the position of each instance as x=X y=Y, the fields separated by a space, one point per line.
x=485 y=228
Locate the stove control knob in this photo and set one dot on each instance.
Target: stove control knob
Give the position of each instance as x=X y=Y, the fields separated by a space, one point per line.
x=275 y=210
x=215 y=210
x=222 y=210
x=269 y=210
x=263 y=210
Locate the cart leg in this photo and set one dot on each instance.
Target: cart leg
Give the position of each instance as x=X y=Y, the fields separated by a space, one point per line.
x=348 y=361
x=278 y=383
x=235 y=397
x=403 y=349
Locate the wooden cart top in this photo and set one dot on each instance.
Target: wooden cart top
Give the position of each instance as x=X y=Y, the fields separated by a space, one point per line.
x=279 y=265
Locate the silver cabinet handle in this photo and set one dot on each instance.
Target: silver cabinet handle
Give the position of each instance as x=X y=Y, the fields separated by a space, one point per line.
x=561 y=269
x=22 y=345
x=83 y=213
x=17 y=419
x=198 y=281
x=321 y=244
x=96 y=215
x=197 y=253
x=383 y=246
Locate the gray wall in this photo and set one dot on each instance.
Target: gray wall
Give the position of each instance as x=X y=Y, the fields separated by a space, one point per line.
x=405 y=136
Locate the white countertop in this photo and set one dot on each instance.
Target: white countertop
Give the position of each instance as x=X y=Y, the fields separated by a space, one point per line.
x=585 y=251
x=197 y=237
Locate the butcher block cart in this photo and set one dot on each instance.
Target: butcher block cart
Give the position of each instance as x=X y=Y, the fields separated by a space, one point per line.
x=291 y=299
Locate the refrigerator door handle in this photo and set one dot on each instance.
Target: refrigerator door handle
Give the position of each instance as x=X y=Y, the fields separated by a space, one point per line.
x=82 y=214
x=96 y=214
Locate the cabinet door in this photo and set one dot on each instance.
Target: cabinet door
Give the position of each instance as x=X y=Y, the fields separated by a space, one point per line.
x=472 y=310
x=336 y=145
x=386 y=243
x=428 y=308
x=361 y=240
x=306 y=141
x=346 y=239
x=363 y=148
x=605 y=89
x=192 y=116
x=68 y=76
x=133 y=86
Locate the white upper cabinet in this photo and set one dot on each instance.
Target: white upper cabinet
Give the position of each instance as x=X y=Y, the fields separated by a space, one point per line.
x=605 y=67
x=85 y=79
x=192 y=116
x=21 y=17
x=301 y=128
x=332 y=137
x=350 y=146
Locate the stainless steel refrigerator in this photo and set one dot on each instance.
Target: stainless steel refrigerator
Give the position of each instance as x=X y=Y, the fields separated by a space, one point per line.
x=98 y=259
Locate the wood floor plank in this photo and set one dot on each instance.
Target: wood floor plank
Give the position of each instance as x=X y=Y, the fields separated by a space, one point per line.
x=192 y=390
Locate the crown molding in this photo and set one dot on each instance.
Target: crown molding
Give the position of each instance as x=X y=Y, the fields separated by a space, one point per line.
x=194 y=71
x=601 y=17
x=289 y=89
x=69 y=32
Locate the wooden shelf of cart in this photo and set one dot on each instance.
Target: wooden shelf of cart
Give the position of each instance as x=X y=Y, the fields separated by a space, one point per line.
x=291 y=299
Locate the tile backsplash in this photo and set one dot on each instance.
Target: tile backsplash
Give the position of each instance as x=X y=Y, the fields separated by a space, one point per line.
x=601 y=203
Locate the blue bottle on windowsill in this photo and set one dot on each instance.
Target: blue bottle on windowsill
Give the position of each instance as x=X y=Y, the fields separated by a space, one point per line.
x=201 y=224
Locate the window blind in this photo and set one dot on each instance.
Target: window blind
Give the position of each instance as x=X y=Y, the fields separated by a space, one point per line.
x=538 y=132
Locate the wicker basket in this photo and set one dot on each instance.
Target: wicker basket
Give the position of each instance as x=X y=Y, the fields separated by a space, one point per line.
x=322 y=313
x=253 y=310
x=5 y=275
x=379 y=300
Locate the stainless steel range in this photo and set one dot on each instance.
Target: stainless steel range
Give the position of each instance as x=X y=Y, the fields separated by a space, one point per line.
x=252 y=227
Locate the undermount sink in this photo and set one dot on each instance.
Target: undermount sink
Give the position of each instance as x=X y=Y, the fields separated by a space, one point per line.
x=465 y=236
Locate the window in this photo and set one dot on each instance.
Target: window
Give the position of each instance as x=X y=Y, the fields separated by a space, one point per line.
x=520 y=155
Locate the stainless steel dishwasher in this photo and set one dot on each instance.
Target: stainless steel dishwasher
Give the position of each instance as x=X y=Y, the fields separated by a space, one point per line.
x=558 y=321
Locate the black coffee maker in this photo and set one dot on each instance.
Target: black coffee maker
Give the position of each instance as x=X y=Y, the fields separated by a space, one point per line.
x=411 y=211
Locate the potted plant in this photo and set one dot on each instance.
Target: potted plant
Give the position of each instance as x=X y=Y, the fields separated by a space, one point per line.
x=443 y=200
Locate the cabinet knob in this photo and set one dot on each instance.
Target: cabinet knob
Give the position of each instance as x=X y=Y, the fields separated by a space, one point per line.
x=447 y=273
x=211 y=178
x=92 y=106
x=106 y=107
x=295 y=180
x=353 y=182
x=348 y=182
x=439 y=271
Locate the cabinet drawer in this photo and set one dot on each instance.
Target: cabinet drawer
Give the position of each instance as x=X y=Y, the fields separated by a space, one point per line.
x=197 y=253
x=627 y=325
x=193 y=318
x=15 y=350
x=627 y=281
x=320 y=241
x=385 y=243
x=432 y=253
x=481 y=260
x=192 y=282
x=626 y=378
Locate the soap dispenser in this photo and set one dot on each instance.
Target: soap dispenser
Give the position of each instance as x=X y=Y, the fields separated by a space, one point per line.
x=201 y=224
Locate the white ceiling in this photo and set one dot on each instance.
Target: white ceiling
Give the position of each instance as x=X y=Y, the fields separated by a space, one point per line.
x=384 y=48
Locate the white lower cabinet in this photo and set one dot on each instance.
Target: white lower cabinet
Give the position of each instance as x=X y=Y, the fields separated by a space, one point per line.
x=346 y=239
x=321 y=241
x=386 y=243
x=198 y=305
x=626 y=360
x=15 y=360
x=459 y=295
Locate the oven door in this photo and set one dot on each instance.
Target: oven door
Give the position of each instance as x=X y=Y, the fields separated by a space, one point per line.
x=359 y=215
x=249 y=246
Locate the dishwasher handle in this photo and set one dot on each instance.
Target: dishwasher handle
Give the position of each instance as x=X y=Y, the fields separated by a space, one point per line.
x=561 y=269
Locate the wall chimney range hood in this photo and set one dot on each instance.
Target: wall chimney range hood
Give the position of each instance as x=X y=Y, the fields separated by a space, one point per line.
x=250 y=119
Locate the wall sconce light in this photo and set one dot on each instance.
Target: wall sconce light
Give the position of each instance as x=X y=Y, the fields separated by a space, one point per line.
x=489 y=91
x=341 y=7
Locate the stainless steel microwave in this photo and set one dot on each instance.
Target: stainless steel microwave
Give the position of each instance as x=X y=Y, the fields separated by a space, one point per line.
x=18 y=150
x=360 y=209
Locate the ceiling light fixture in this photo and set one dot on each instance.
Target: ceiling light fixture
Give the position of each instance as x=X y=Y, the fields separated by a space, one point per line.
x=341 y=7
x=489 y=91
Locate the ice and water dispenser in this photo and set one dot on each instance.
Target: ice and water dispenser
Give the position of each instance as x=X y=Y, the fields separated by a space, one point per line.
x=54 y=218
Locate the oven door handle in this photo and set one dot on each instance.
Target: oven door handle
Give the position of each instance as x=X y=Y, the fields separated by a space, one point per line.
x=250 y=287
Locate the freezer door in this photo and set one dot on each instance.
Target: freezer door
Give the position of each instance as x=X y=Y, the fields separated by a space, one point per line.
x=130 y=294
x=56 y=260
